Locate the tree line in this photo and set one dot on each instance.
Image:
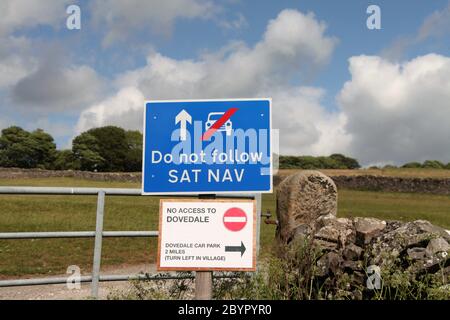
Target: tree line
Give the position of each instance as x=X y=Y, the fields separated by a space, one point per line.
x=430 y=164
x=114 y=149
x=339 y=161
x=107 y=149
x=335 y=161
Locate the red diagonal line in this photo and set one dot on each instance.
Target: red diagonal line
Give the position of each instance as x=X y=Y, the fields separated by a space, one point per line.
x=227 y=115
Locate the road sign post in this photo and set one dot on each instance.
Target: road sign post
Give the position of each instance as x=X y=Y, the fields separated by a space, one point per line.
x=204 y=279
x=203 y=285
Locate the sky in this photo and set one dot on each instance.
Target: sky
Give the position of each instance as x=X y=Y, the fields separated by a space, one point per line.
x=379 y=95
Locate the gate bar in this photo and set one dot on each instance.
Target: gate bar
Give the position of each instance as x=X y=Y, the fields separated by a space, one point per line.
x=98 y=244
x=76 y=234
x=108 y=191
x=103 y=278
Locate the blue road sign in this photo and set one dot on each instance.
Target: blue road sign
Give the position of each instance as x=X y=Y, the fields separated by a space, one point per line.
x=207 y=146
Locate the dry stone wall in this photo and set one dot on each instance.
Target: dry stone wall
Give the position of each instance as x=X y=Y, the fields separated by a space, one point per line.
x=348 y=247
x=362 y=182
x=439 y=186
x=8 y=173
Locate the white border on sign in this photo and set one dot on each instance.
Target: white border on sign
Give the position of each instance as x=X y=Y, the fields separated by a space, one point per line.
x=208 y=192
x=254 y=236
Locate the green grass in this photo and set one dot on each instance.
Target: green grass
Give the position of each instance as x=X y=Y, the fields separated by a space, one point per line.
x=77 y=213
x=395 y=206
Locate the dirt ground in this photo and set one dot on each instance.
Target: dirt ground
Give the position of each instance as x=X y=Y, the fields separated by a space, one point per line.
x=61 y=292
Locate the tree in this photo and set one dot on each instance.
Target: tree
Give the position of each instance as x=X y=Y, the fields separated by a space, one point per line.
x=86 y=152
x=13 y=150
x=133 y=161
x=336 y=161
x=20 y=148
x=413 y=165
x=112 y=146
x=346 y=162
x=64 y=160
x=433 y=164
x=44 y=148
x=108 y=148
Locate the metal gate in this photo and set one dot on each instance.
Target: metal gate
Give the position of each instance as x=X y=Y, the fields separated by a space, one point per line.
x=98 y=234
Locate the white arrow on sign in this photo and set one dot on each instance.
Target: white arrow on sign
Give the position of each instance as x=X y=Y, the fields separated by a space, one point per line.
x=182 y=118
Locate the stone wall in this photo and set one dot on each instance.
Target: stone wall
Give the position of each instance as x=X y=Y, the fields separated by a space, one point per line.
x=394 y=184
x=15 y=173
x=346 y=249
x=389 y=184
x=362 y=182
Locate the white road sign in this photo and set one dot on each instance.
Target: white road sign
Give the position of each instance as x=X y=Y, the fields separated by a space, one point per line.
x=207 y=235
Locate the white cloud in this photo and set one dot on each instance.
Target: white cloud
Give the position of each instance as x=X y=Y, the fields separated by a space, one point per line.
x=17 y=57
x=122 y=18
x=306 y=127
x=57 y=87
x=398 y=112
x=124 y=109
x=16 y=60
x=18 y=14
x=293 y=44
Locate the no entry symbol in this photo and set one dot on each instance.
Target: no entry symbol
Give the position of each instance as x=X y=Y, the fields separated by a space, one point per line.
x=235 y=219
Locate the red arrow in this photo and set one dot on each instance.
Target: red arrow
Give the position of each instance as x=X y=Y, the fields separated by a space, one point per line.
x=227 y=115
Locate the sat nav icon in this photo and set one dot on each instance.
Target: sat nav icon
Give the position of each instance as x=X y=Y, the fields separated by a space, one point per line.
x=213 y=117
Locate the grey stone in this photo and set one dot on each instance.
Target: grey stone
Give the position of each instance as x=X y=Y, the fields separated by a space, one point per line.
x=332 y=220
x=417 y=254
x=329 y=263
x=334 y=262
x=328 y=233
x=352 y=252
x=301 y=199
x=424 y=226
x=438 y=245
x=412 y=234
x=368 y=228
x=339 y=231
x=399 y=237
x=326 y=245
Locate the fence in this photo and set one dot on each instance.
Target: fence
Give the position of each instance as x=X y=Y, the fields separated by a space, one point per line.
x=98 y=234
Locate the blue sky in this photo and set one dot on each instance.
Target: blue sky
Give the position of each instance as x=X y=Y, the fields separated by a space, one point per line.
x=66 y=81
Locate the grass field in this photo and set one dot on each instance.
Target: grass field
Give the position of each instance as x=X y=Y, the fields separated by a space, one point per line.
x=390 y=172
x=77 y=213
